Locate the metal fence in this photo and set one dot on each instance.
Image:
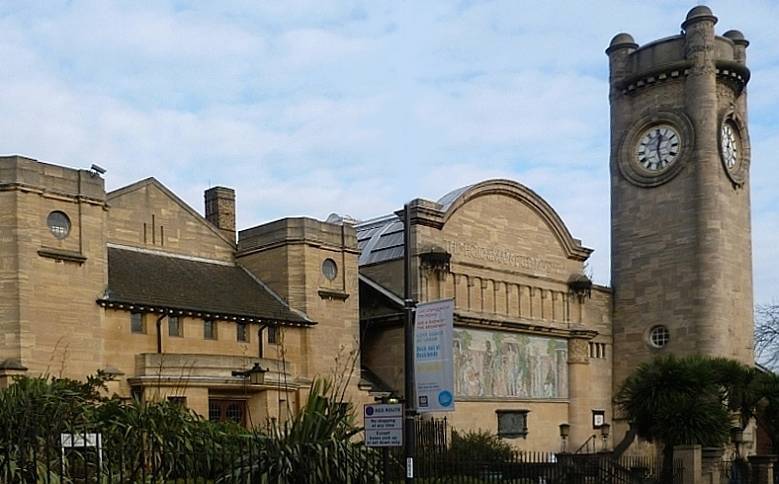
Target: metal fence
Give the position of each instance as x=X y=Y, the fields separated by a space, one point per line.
x=533 y=467
x=85 y=464
x=85 y=458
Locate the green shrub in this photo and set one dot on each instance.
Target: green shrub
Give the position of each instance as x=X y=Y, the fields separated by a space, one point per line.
x=172 y=442
x=479 y=446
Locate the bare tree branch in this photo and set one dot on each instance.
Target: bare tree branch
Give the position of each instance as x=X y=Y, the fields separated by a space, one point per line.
x=767 y=335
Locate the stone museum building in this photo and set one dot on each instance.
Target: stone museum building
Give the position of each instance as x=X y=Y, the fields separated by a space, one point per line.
x=233 y=324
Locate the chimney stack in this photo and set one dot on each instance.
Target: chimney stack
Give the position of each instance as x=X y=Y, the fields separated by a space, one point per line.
x=220 y=210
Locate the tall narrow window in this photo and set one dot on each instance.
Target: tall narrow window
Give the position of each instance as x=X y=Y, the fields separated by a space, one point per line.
x=175 y=328
x=242 y=332
x=209 y=329
x=273 y=335
x=136 y=323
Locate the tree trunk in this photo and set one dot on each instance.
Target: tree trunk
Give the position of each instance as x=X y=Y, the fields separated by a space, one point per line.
x=667 y=472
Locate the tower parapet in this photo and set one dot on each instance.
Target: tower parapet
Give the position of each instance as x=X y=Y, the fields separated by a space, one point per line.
x=634 y=66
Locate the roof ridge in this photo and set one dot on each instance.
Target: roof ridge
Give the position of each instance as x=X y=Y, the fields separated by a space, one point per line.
x=174 y=255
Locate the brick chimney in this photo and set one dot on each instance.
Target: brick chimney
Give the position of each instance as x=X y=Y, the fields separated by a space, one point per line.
x=220 y=210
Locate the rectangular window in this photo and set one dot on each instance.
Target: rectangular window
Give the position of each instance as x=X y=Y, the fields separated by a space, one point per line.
x=175 y=328
x=209 y=329
x=227 y=410
x=136 y=323
x=178 y=401
x=242 y=332
x=273 y=335
x=598 y=419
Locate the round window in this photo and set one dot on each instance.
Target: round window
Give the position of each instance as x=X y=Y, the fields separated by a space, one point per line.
x=59 y=224
x=659 y=336
x=329 y=269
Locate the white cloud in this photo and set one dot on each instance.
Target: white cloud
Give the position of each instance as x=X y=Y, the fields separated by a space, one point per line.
x=311 y=107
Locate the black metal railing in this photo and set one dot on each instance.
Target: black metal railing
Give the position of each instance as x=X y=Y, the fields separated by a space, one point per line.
x=90 y=457
x=533 y=467
x=432 y=433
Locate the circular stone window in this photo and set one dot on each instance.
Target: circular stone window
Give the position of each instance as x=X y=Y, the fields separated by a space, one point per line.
x=329 y=269
x=59 y=224
x=659 y=336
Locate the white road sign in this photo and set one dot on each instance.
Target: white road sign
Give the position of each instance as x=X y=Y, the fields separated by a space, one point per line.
x=383 y=425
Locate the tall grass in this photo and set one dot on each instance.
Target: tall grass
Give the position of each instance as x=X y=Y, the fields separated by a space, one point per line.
x=171 y=442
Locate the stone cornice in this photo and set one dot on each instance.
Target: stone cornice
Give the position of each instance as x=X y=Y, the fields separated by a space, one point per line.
x=737 y=74
x=545 y=328
x=477 y=321
x=68 y=197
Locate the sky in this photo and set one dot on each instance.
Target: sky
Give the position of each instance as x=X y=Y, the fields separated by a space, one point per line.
x=313 y=107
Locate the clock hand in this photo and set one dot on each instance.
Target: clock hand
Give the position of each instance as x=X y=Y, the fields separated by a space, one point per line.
x=659 y=140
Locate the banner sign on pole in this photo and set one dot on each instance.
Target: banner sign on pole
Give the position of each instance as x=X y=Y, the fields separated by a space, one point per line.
x=433 y=362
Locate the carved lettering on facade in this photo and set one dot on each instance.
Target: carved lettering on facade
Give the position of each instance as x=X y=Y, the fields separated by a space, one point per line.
x=532 y=265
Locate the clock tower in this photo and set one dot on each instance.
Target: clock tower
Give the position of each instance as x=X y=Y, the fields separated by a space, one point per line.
x=681 y=259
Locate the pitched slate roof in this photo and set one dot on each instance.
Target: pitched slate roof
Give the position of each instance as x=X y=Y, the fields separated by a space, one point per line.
x=165 y=283
x=380 y=239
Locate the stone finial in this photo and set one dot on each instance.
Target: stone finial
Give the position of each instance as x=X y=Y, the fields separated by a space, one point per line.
x=621 y=41
x=737 y=37
x=699 y=14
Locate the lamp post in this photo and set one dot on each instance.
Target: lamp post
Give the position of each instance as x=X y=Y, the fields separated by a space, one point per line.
x=409 y=437
x=255 y=374
x=604 y=433
x=565 y=430
x=737 y=437
x=740 y=466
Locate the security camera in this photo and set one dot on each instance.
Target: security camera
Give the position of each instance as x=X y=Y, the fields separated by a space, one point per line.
x=99 y=170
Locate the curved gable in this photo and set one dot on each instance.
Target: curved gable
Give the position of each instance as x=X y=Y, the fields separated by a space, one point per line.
x=453 y=202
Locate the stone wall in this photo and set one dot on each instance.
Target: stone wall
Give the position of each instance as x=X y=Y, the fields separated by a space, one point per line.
x=288 y=255
x=50 y=318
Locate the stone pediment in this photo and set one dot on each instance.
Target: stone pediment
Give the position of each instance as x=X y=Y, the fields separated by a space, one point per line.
x=146 y=214
x=152 y=184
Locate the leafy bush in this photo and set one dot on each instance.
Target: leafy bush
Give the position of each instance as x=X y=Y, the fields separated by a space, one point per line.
x=171 y=442
x=479 y=446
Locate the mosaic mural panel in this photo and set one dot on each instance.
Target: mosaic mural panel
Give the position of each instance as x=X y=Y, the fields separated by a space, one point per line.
x=497 y=364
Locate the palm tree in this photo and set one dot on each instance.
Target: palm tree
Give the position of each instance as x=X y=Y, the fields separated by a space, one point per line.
x=676 y=401
x=743 y=388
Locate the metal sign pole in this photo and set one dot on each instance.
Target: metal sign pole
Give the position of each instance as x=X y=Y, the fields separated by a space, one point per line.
x=410 y=438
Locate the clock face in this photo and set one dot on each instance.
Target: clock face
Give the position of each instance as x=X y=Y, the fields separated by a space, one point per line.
x=658 y=148
x=730 y=146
